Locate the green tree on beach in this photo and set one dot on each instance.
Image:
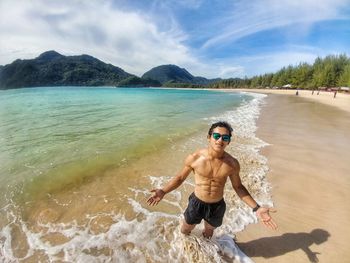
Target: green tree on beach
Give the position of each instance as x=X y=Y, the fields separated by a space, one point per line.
x=331 y=71
x=328 y=71
x=344 y=79
x=302 y=76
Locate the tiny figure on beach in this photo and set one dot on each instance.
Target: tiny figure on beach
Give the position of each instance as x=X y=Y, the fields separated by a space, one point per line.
x=211 y=167
x=335 y=94
x=297 y=93
x=312 y=92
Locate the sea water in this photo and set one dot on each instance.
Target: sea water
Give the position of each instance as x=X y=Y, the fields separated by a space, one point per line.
x=77 y=165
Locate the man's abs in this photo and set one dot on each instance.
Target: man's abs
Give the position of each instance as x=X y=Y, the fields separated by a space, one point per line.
x=209 y=193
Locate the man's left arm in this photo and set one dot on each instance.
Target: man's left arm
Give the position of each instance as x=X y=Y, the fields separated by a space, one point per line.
x=263 y=213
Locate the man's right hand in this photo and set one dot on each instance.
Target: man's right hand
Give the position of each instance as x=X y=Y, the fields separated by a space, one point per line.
x=156 y=197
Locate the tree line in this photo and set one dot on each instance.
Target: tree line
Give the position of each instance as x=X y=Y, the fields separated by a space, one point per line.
x=331 y=71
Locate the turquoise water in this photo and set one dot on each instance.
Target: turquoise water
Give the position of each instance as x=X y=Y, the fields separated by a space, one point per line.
x=78 y=163
x=53 y=137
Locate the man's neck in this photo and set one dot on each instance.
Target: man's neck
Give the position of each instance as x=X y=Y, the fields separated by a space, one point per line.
x=214 y=154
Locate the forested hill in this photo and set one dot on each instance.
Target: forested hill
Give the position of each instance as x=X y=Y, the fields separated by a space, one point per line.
x=54 y=69
x=170 y=75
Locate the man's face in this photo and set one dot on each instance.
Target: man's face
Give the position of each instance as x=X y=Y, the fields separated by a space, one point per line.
x=219 y=139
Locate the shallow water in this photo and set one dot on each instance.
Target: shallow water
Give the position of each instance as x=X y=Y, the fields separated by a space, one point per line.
x=77 y=165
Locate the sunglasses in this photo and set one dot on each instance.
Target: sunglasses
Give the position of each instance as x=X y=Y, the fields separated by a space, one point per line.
x=225 y=137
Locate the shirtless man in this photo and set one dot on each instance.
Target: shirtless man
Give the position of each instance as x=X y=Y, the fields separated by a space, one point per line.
x=211 y=167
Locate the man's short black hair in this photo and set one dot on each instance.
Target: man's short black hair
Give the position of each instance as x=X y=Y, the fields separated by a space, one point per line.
x=223 y=124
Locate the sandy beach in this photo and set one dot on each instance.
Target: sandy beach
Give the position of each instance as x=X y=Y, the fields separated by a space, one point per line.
x=341 y=101
x=309 y=174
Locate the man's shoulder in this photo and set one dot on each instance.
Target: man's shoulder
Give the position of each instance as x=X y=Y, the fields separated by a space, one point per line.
x=231 y=161
x=199 y=153
x=195 y=155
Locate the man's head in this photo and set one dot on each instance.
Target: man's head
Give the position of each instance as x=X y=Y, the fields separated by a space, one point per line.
x=222 y=124
x=219 y=135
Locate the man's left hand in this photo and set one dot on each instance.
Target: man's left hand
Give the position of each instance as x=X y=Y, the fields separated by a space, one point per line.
x=263 y=213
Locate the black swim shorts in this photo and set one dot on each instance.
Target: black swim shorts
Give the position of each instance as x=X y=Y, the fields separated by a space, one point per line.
x=197 y=210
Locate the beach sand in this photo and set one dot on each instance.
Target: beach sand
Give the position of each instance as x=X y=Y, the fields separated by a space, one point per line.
x=341 y=101
x=309 y=172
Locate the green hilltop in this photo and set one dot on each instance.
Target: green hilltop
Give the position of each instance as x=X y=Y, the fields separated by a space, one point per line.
x=54 y=69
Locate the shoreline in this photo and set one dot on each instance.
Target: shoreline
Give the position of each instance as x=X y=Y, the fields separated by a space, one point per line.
x=341 y=101
x=309 y=176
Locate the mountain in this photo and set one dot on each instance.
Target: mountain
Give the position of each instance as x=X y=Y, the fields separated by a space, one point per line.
x=54 y=69
x=174 y=74
x=166 y=73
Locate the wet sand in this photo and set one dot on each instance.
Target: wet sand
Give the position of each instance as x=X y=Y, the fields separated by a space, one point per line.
x=309 y=173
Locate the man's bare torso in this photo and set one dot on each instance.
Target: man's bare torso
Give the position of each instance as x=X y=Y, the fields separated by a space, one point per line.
x=211 y=175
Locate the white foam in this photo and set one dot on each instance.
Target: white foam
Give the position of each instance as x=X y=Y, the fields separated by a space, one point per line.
x=231 y=250
x=243 y=121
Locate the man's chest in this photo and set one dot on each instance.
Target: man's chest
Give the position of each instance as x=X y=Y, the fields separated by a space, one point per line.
x=211 y=170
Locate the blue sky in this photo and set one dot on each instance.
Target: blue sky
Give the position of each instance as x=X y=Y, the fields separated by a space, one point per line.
x=212 y=39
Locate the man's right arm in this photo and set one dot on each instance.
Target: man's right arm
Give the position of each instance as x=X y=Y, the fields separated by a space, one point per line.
x=174 y=183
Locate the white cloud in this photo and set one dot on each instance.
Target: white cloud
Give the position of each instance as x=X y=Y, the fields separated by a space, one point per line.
x=257 y=64
x=274 y=61
x=230 y=71
x=129 y=40
x=245 y=18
